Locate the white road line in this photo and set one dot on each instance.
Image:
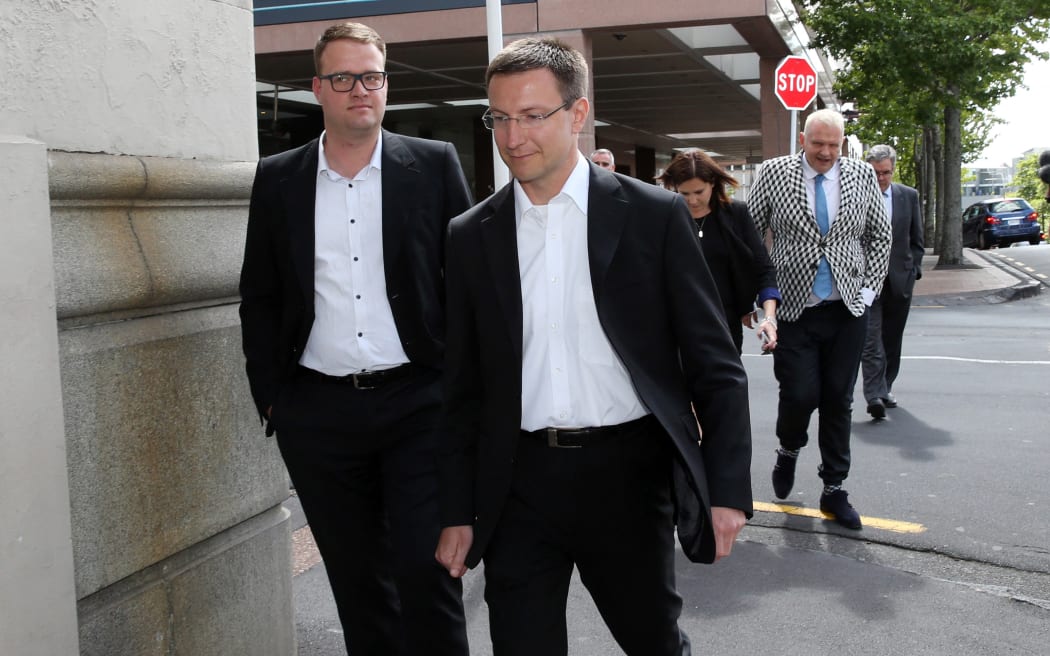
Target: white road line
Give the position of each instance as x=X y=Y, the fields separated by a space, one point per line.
x=976 y=360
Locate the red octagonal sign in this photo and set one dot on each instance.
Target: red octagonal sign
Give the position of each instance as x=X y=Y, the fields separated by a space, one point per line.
x=795 y=83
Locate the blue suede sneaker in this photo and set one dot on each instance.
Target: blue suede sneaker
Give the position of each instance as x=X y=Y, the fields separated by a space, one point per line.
x=837 y=504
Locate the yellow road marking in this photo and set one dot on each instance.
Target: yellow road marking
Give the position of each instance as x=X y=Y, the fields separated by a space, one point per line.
x=869 y=522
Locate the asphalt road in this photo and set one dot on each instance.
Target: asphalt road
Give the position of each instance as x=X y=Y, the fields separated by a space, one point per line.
x=955 y=555
x=1030 y=260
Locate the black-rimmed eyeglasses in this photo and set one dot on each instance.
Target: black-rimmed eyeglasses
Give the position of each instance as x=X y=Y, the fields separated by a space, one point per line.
x=343 y=82
x=498 y=121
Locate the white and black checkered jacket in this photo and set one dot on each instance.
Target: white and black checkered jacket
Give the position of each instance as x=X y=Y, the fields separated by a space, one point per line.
x=857 y=245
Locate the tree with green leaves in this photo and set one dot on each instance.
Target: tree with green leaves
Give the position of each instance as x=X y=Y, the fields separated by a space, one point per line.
x=918 y=67
x=1028 y=186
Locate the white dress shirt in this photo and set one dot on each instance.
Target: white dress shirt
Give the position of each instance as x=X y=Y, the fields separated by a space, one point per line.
x=353 y=329
x=570 y=375
x=887 y=201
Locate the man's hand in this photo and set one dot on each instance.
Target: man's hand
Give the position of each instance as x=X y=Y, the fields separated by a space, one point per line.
x=453 y=546
x=726 y=523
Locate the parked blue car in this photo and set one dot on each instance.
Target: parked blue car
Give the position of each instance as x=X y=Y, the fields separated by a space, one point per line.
x=1000 y=222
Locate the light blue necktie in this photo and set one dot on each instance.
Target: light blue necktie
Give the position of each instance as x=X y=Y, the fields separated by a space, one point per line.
x=823 y=283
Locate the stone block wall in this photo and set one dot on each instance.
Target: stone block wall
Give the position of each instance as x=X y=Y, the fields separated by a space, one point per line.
x=180 y=545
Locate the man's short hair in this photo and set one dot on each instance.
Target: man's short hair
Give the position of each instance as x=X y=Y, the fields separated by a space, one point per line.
x=882 y=152
x=828 y=117
x=352 y=31
x=604 y=151
x=566 y=64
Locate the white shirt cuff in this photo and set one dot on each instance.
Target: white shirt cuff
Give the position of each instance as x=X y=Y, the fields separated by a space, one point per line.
x=867 y=295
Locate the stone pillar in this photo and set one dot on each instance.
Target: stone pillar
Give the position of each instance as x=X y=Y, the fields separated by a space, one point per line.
x=36 y=560
x=180 y=545
x=776 y=121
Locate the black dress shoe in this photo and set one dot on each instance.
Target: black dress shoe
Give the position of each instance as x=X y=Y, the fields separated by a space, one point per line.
x=837 y=504
x=877 y=409
x=783 y=475
x=889 y=400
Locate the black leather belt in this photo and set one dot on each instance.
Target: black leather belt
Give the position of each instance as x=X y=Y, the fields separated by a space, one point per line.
x=575 y=438
x=364 y=381
x=824 y=304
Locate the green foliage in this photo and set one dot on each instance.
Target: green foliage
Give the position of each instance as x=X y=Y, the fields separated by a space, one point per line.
x=1029 y=187
x=910 y=64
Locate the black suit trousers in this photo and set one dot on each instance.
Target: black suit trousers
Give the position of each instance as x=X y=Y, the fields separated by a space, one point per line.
x=605 y=508
x=362 y=462
x=815 y=364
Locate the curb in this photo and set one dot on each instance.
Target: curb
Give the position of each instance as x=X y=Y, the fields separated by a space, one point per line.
x=1026 y=287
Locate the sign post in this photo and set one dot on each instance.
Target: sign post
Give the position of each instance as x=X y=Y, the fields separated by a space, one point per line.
x=795 y=85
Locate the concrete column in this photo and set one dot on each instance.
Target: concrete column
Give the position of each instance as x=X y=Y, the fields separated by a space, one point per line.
x=37 y=597
x=776 y=121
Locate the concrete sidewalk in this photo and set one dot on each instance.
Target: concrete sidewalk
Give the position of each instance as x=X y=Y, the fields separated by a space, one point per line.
x=782 y=591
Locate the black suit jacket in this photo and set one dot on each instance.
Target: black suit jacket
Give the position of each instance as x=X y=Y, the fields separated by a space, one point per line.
x=423 y=187
x=906 y=246
x=658 y=306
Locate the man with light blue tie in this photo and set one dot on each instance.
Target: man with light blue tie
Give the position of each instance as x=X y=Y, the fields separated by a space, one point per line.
x=881 y=360
x=830 y=245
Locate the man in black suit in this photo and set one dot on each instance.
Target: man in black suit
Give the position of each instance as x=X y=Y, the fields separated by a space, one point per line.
x=343 y=325
x=582 y=324
x=881 y=359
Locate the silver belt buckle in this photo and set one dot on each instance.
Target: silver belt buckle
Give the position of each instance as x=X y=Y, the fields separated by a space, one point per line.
x=552 y=440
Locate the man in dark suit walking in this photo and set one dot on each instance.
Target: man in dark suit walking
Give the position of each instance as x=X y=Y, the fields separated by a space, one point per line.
x=343 y=325
x=582 y=324
x=830 y=242
x=881 y=360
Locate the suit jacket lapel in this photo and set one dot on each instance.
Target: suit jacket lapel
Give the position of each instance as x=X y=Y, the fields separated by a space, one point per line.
x=797 y=183
x=899 y=206
x=399 y=166
x=606 y=217
x=298 y=191
x=499 y=236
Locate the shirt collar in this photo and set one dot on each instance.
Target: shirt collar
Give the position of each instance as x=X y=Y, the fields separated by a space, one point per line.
x=375 y=163
x=576 y=188
x=810 y=173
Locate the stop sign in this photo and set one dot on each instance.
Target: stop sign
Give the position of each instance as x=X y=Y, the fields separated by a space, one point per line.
x=795 y=83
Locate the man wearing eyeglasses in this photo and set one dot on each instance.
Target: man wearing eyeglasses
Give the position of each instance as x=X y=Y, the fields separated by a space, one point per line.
x=583 y=327
x=343 y=331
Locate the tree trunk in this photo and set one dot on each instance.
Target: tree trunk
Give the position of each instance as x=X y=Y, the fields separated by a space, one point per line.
x=951 y=236
x=929 y=176
x=938 y=182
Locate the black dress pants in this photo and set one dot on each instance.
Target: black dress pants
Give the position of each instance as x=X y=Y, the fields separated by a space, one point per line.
x=816 y=363
x=363 y=466
x=605 y=508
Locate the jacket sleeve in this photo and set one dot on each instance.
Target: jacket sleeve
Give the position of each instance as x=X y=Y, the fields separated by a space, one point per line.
x=916 y=235
x=260 y=289
x=745 y=226
x=457 y=459
x=714 y=374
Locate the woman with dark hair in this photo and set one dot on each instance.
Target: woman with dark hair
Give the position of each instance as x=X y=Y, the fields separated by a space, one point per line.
x=732 y=246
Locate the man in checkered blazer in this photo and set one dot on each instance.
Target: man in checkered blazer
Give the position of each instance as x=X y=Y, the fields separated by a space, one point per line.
x=830 y=245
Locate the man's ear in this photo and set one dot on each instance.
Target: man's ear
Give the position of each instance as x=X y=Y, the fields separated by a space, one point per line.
x=579 y=108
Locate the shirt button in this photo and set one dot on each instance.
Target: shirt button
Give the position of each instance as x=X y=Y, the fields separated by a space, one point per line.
x=358 y=296
x=360 y=334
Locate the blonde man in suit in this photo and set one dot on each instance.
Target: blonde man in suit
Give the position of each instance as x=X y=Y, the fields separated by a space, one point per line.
x=830 y=244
